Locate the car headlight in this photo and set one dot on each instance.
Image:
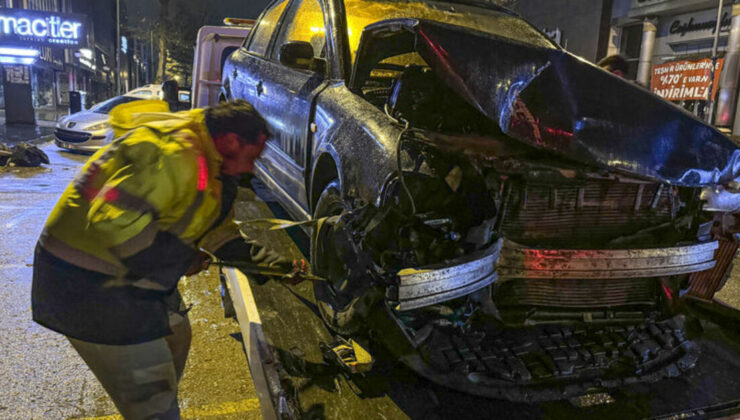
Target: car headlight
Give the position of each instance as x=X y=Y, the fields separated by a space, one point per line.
x=96 y=127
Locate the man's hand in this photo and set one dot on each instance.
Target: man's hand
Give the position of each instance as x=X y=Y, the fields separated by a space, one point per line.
x=200 y=263
x=296 y=276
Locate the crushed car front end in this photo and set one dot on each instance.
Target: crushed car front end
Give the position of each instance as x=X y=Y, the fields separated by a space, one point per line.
x=536 y=240
x=511 y=287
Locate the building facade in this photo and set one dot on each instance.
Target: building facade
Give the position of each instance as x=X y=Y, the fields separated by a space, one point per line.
x=87 y=65
x=50 y=59
x=580 y=26
x=671 y=47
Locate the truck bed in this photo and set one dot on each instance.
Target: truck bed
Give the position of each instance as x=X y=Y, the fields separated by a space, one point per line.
x=282 y=333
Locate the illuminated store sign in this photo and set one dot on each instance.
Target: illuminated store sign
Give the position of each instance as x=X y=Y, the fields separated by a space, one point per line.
x=20 y=26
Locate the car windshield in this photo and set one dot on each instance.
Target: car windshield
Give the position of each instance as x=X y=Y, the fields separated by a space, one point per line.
x=361 y=13
x=107 y=106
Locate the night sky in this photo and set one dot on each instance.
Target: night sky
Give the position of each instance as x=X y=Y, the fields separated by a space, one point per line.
x=216 y=11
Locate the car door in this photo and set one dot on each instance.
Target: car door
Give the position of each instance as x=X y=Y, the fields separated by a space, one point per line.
x=285 y=98
x=246 y=64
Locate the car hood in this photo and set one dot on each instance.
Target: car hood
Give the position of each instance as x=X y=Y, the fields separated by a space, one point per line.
x=553 y=100
x=83 y=119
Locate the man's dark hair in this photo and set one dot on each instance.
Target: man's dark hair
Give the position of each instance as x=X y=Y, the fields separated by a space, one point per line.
x=614 y=62
x=235 y=117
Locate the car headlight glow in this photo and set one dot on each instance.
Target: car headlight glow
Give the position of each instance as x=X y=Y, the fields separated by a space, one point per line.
x=99 y=126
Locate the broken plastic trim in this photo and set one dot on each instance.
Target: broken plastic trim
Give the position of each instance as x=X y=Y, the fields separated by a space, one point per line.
x=420 y=287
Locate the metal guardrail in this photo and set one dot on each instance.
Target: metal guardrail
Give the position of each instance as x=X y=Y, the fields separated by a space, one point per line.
x=262 y=362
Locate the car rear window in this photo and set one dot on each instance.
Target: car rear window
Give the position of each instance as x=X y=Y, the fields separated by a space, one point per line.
x=107 y=106
x=361 y=13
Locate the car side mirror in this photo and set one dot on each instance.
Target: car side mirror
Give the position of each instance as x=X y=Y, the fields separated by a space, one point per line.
x=296 y=55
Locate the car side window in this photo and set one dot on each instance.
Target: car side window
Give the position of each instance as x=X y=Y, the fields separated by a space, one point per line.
x=266 y=26
x=303 y=23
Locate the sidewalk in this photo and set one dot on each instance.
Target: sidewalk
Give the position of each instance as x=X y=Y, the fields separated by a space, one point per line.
x=46 y=120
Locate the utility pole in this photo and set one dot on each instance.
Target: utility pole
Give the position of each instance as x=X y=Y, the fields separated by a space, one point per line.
x=118 y=47
x=710 y=103
x=151 y=73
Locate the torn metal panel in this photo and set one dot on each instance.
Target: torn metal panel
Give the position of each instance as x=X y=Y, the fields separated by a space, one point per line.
x=705 y=284
x=552 y=100
x=720 y=199
x=519 y=262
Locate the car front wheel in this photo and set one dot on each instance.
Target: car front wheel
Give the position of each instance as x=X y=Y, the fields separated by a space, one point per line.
x=342 y=302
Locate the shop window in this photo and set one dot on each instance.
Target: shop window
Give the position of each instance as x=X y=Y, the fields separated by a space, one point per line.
x=49 y=5
x=630 y=45
x=42 y=87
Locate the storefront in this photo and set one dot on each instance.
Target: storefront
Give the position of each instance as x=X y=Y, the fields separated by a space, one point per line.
x=33 y=45
x=670 y=46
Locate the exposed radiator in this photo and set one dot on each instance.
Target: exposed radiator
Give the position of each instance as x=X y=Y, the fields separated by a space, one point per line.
x=569 y=293
x=587 y=215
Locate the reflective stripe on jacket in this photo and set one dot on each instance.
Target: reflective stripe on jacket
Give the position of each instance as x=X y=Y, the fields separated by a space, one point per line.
x=159 y=175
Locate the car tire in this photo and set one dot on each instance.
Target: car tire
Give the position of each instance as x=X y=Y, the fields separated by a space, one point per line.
x=343 y=310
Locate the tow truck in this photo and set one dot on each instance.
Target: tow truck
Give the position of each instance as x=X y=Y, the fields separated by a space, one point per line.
x=213 y=46
x=297 y=374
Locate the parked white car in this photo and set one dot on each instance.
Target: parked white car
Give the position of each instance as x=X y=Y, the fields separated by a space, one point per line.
x=88 y=131
x=152 y=91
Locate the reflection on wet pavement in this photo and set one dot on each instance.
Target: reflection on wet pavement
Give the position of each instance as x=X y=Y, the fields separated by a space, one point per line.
x=42 y=375
x=20 y=133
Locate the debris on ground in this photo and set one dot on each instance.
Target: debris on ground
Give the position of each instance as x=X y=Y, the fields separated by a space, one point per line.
x=23 y=154
x=348 y=355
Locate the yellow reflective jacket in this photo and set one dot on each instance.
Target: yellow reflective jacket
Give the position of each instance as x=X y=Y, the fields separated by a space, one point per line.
x=160 y=174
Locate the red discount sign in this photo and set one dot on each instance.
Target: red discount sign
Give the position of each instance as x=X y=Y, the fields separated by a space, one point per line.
x=685 y=80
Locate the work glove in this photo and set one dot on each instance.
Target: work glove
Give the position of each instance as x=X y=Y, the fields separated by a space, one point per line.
x=201 y=261
x=252 y=251
x=266 y=257
x=297 y=275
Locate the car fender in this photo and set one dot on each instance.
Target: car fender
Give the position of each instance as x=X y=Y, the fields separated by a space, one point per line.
x=319 y=180
x=361 y=140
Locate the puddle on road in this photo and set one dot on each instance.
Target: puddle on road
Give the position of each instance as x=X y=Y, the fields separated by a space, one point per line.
x=60 y=160
x=21 y=172
x=51 y=178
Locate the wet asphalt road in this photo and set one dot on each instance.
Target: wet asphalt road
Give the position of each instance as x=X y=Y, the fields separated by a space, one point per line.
x=42 y=376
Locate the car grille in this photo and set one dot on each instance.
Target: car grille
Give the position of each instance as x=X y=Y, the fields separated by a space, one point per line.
x=599 y=293
x=72 y=136
x=584 y=216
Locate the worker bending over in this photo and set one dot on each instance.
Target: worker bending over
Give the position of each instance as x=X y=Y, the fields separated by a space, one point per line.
x=128 y=227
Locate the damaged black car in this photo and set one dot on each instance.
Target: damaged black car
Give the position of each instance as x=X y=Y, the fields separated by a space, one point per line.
x=513 y=221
